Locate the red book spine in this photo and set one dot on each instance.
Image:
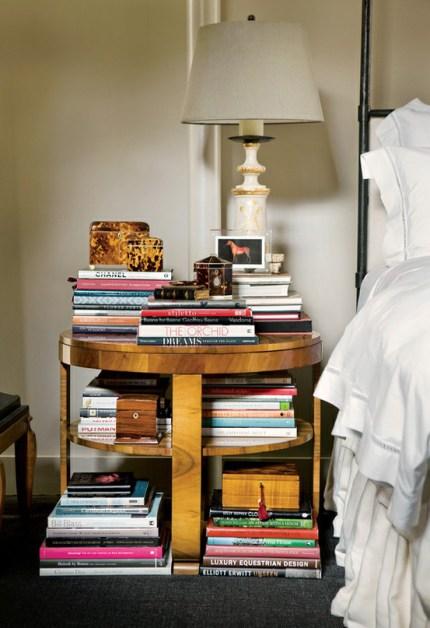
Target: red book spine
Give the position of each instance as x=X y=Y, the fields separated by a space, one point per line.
x=113 y=552
x=121 y=284
x=249 y=391
x=261 y=550
x=275 y=533
x=178 y=313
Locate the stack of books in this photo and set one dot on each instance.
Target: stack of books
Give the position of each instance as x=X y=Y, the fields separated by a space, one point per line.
x=239 y=543
x=181 y=322
x=250 y=406
x=99 y=405
x=107 y=302
x=275 y=307
x=107 y=524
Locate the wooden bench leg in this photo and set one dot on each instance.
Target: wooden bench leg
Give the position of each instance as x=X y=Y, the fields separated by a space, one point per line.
x=2 y=489
x=25 y=457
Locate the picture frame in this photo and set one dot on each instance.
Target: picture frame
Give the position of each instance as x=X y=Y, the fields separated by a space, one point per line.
x=245 y=252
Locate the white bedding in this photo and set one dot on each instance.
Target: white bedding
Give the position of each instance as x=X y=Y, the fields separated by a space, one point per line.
x=379 y=378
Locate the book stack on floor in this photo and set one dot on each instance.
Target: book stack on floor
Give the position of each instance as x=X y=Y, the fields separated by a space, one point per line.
x=279 y=542
x=107 y=524
x=111 y=398
x=107 y=302
x=275 y=307
x=170 y=321
x=251 y=406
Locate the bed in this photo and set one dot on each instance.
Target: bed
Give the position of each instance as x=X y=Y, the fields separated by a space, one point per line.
x=378 y=377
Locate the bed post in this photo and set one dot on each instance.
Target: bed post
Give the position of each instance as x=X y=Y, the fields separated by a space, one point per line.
x=363 y=119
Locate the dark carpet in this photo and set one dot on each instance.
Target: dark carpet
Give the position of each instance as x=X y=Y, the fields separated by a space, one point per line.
x=160 y=601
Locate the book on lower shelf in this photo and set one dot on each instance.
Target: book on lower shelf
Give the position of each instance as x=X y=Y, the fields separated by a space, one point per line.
x=101 y=533
x=250 y=542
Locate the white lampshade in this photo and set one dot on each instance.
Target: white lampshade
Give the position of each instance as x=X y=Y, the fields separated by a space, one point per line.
x=251 y=70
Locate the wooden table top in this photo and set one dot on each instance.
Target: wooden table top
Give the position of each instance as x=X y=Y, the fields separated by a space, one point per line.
x=272 y=353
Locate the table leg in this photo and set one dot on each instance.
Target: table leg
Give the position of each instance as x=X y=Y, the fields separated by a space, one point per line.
x=316 y=371
x=64 y=425
x=25 y=458
x=186 y=473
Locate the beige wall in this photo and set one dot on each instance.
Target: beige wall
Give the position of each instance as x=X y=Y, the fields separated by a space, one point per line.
x=90 y=130
x=90 y=102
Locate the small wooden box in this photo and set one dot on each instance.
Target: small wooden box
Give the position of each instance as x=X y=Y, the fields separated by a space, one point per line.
x=136 y=415
x=242 y=486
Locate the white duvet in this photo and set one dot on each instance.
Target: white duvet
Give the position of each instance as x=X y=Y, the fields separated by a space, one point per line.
x=379 y=378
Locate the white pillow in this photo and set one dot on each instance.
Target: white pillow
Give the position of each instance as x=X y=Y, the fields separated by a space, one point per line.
x=406 y=126
x=403 y=178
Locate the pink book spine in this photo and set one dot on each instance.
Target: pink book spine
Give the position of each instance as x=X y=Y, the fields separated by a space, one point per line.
x=248 y=391
x=256 y=550
x=200 y=312
x=70 y=553
x=121 y=284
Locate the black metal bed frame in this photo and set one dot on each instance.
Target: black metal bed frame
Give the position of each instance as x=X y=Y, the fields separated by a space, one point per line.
x=365 y=114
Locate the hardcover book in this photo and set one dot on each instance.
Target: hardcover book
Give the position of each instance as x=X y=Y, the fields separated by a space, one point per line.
x=101 y=482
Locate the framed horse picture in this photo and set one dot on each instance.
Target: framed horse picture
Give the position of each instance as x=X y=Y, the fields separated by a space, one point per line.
x=245 y=252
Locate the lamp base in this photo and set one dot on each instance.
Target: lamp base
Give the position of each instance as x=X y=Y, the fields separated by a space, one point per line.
x=251 y=195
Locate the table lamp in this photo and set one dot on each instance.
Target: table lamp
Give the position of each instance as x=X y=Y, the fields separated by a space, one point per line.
x=248 y=73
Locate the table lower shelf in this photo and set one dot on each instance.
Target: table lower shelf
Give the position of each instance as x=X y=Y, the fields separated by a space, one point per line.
x=211 y=446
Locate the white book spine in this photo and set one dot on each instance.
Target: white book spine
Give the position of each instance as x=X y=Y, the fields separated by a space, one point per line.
x=196 y=331
x=282 y=432
x=99 y=402
x=106 y=571
x=123 y=274
x=101 y=522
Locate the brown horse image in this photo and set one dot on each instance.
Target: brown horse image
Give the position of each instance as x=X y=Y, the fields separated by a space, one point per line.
x=237 y=251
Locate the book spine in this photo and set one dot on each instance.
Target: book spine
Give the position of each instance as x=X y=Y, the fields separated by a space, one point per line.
x=124 y=274
x=196 y=331
x=261 y=573
x=100 y=522
x=122 y=541
x=104 y=571
x=283 y=326
x=72 y=510
x=99 y=403
x=282 y=432
x=104 y=329
x=273 y=290
x=104 y=563
x=246 y=522
x=97 y=429
x=237 y=540
x=105 y=502
x=110 y=301
x=248 y=422
x=197 y=312
x=260 y=380
x=237 y=340
x=215 y=404
x=277 y=563
x=258 y=551
x=121 y=284
x=90 y=421
x=249 y=391
x=107 y=533
x=106 y=310
x=174 y=321
x=237 y=413
x=101 y=552
x=174 y=304
x=105 y=320
x=241 y=513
